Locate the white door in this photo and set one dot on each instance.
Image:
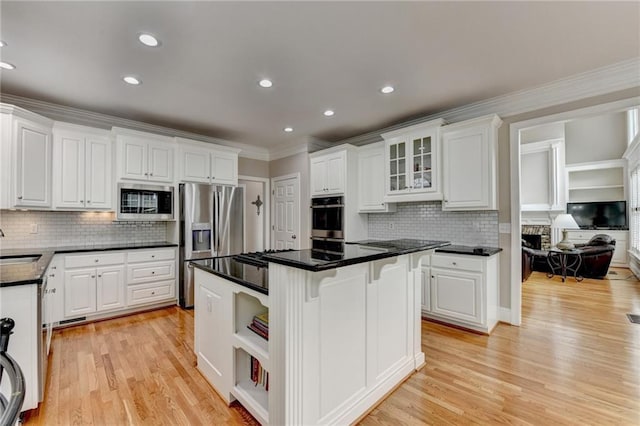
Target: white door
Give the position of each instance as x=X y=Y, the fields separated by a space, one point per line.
x=79 y=292
x=196 y=166
x=224 y=168
x=286 y=213
x=69 y=170
x=457 y=294
x=110 y=288
x=98 y=173
x=134 y=159
x=160 y=162
x=33 y=149
x=335 y=173
x=318 y=176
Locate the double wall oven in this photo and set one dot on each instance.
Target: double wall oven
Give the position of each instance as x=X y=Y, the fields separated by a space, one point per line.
x=327 y=224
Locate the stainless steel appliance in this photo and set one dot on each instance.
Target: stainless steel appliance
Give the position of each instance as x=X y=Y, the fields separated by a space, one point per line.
x=327 y=224
x=144 y=202
x=211 y=224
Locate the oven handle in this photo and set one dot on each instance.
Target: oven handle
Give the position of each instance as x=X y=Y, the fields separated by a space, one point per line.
x=337 y=240
x=326 y=206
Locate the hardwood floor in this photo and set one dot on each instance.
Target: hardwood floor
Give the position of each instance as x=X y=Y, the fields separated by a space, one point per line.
x=574 y=360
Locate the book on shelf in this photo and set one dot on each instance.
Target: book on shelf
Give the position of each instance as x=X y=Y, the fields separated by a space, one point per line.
x=259 y=376
x=260 y=325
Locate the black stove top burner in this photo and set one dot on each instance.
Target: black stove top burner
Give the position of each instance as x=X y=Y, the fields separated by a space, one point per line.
x=255 y=257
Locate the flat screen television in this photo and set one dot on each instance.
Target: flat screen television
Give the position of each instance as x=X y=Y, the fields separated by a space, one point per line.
x=600 y=214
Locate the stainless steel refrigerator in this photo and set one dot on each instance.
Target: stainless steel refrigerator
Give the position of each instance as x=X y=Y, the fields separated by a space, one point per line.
x=211 y=224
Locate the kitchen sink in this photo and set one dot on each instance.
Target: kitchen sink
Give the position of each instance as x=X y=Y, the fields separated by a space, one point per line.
x=18 y=260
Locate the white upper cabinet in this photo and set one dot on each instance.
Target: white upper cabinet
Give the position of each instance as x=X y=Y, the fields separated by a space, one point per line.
x=81 y=168
x=542 y=176
x=26 y=159
x=144 y=156
x=371 y=180
x=470 y=153
x=412 y=163
x=206 y=163
x=327 y=173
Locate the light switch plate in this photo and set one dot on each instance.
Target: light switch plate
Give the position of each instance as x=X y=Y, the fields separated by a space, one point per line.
x=34 y=228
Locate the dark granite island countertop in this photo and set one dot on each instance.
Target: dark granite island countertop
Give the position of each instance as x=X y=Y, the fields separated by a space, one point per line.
x=470 y=250
x=354 y=253
x=247 y=275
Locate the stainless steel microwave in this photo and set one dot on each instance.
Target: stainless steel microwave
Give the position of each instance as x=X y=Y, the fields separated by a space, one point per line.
x=145 y=202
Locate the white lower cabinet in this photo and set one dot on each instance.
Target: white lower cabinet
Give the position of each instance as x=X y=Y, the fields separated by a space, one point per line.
x=93 y=290
x=151 y=276
x=463 y=290
x=98 y=283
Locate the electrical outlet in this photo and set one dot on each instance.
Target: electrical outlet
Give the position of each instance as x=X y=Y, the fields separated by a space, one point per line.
x=392 y=225
x=34 y=228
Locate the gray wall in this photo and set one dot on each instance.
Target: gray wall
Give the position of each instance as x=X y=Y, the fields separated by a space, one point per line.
x=251 y=167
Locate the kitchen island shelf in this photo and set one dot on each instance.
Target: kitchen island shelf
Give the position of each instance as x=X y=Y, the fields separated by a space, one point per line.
x=254 y=345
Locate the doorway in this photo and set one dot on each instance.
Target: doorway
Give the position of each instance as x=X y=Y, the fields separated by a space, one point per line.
x=515 y=134
x=286 y=212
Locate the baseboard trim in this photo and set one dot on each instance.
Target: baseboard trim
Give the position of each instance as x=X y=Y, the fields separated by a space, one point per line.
x=504 y=315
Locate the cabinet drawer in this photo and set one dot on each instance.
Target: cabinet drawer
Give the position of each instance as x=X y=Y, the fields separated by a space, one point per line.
x=151 y=255
x=96 y=259
x=146 y=272
x=152 y=292
x=467 y=263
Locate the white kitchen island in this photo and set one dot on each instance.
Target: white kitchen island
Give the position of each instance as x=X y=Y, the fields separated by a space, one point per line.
x=343 y=331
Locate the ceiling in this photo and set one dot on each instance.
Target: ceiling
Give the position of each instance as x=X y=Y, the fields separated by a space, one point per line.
x=203 y=78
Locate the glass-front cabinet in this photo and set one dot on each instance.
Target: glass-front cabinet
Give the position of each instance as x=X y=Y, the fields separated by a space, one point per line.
x=412 y=163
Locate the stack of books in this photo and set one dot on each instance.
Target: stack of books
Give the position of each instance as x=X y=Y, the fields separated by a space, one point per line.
x=260 y=325
x=259 y=376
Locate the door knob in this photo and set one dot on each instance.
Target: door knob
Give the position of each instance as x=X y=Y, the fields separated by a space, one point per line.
x=293 y=237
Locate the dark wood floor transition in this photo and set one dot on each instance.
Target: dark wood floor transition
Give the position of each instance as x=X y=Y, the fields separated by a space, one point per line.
x=574 y=360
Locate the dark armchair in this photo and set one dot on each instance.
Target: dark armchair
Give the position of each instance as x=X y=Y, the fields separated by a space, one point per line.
x=596 y=256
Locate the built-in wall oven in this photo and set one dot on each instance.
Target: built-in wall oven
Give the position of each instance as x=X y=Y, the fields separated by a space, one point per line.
x=327 y=224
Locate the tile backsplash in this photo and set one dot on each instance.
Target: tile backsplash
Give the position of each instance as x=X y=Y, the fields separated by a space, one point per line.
x=426 y=220
x=56 y=229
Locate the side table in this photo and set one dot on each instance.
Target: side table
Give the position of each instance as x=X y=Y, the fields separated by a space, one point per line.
x=562 y=262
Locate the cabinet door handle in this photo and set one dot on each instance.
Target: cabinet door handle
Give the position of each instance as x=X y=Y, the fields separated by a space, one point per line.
x=100 y=276
x=153 y=272
x=82 y=201
x=146 y=174
x=54 y=267
x=153 y=292
x=52 y=275
x=88 y=201
x=150 y=174
x=153 y=255
x=93 y=276
x=454 y=263
x=20 y=197
x=208 y=177
x=53 y=290
x=213 y=177
x=97 y=260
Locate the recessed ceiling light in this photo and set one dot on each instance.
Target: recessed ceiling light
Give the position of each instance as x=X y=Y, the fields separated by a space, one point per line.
x=7 y=66
x=131 y=80
x=148 y=40
x=329 y=112
x=288 y=129
x=266 y=83
x=387 y=89
x=2 y=43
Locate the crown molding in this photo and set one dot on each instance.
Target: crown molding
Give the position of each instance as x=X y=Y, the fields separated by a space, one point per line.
x=288 y=149
x=600 y=81
x=104 y=121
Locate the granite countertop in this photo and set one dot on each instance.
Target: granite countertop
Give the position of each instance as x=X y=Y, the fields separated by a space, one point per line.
x=354 y=253
x=32 y=273
x=247 y=275
x=470 y=250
